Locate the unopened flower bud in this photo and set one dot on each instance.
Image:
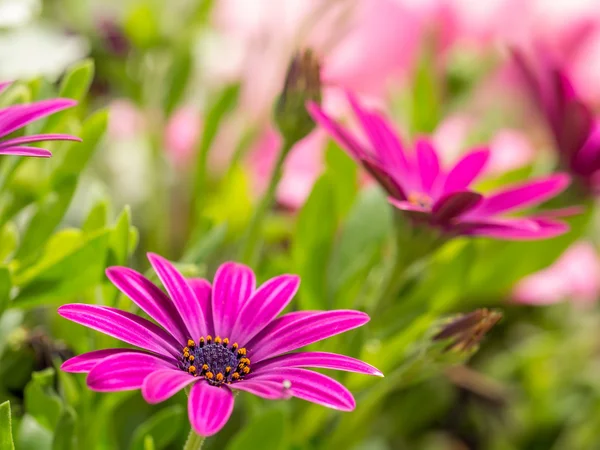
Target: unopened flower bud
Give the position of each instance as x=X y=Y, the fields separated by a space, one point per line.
x=466 y=331
x=302 y=84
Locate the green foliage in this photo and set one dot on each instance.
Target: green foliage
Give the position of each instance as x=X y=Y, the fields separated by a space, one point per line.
x=6 y=439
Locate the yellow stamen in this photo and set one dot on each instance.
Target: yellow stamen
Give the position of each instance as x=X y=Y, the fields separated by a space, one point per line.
x=192 y=369
x=191 y=343
x=209 y=375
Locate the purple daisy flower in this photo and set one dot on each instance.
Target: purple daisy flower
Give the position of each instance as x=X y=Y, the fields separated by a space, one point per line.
x=576 y=133
x=15 y=117
x=427 y=193
x=219 y=339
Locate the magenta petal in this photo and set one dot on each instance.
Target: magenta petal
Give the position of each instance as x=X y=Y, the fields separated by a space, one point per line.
x=233 y=285
x=415 y=212
x=524 y=195
x=321 y=360
x=182 y=295
x=26 y=151
x=339 y=134
x=466 y=170
x=203 y=291
x=4 y=85
x=123 y=372
x=15 y=117
x=149 y=298
x=209 y=408
x=281 y=337
x=37 y=138
x=546 y=229
x=429 y=164
x=385 y=178
x=164 y=383
x=122 y=325
x=311 y=386
x=271 y=390
x=264 y=305
x=86 y=362
x=454 y=204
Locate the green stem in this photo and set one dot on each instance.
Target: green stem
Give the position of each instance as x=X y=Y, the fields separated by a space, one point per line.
x=194 y=441
x=250 y=246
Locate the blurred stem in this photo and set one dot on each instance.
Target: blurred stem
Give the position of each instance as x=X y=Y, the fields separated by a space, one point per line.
x=250 y=244
x=194 y=441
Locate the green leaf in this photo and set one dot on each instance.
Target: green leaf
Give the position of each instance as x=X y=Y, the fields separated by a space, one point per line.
x=5 y=285
x=163 y=427
x=269 y=429
x=312 y=244
x=78 y=80
x=343 y=171
x=41 y=401
x=33 y=436
x=64 y=432
x=97 y=218
x=426 y=95
x=58 y=278
x=178 y=76
x=149 y=443
x=15 y=95
x=6 y=439
x=119 y=239
x=142 y=25
x=368 y=225
x=204 y=246
x=9 y=236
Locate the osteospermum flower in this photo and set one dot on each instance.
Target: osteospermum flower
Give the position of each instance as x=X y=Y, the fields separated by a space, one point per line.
x=15 y=117
x=575 y=131
x=427 y=193
x=219 y=339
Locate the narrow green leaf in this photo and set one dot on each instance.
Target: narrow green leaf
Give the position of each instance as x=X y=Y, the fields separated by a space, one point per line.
x=41 y=401
x=64 y=433
x=6 y=439
x=426 y=95
x=163 y=427
x=149 y=443
x=97 y=218
x=9 y=236
x=179 y=74
x=77 y=81
x=269 y=428
x=5 y=285
x=119 y=239
x=204 y=246
x=142 y=25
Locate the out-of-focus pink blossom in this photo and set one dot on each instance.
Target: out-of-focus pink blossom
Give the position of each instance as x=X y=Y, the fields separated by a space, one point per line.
x=302 y=168
x=126 y=120
x=575 y=276
x=182 y=134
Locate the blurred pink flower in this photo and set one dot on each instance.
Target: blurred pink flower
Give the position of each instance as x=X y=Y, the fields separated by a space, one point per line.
x=126 y=120
x=575 y=275
x=182 y=133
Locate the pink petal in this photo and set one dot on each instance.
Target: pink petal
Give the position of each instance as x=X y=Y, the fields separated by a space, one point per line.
x=546 y=229
x=283 y=336
x=150 y=299
x=454 y=204
x=321 y=360
x=26 y=151
x=466 y=170
x=233 y=285
x=385 y=178
x=271 y=390
x=428 y=162
x=182 y=295
x=164 y=383
x=415 y=212
x=15 y=117
x=311 y=386
x=86 y=362
x=122 y=325
x=264 y=305
x=209 y=408
x=37 y=138
x=123 y=372
x=524 y=195
x=203 y=291
x=4 y=85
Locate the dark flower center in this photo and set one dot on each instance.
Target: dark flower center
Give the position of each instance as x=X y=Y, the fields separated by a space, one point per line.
x=215 y=360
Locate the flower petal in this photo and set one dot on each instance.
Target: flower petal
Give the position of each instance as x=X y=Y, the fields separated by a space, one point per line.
x=149 y=298
x=311 y=386
x=122 y=325
x=4 y=85
x=17 y=116
x=415 y=212
x=164 y=383
x=123 y=372
x=271 y=390
x=546 y=229
x=386 y=179
x=233 y=285
x=209 y=408
x=203 y=291
x=523 y=195
x=321 y=360
x=454 y=204
x=86 y=362
x=26 y=151
x=466 y=170
x=337 y=132
x=264 y=305
x=37 y=138
x=283 y=336
x=182 y=295
x=428 y=162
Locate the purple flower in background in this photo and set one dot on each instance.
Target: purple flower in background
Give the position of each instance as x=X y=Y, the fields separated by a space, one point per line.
x=576 y=133
x=15 y=117
x=427 y=193
x=218 y=338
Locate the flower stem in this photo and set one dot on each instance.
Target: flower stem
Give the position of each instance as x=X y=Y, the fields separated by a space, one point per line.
x=194 y=441
x=250 y=245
